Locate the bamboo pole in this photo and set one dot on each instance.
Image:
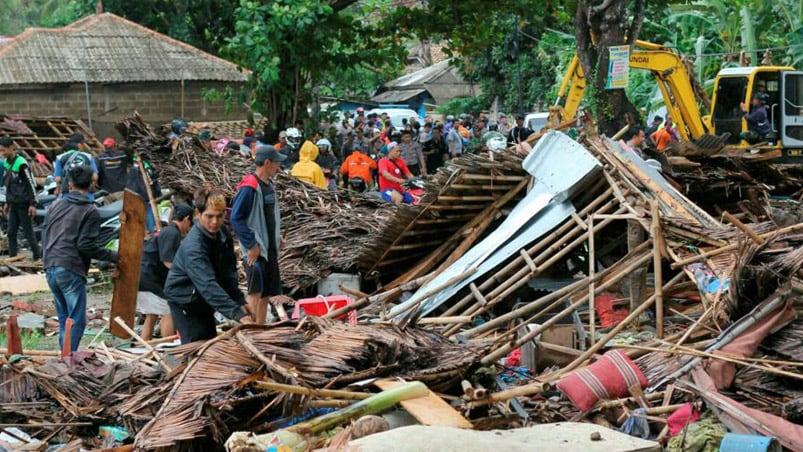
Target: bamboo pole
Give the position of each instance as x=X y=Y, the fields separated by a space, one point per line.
x=506 y=348
x=615 y=330
x=592 y=270
x=524 y=276
x=750 y=233
x=144 y=343
x=556 y=295
x=657 y=269
x=619 y=402
x=715 y=252
x=547 y=258
x=701 y=354
x=147 y=181
x=300 y=390
x=440 y=287
x=527 y=390
x=383 y=296
x=515 y=265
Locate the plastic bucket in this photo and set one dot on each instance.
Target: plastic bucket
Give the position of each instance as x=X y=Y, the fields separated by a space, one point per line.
x=330 y=285
x=735 y=442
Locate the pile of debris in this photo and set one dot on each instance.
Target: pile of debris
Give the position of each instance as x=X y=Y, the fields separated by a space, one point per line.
x=577 y=283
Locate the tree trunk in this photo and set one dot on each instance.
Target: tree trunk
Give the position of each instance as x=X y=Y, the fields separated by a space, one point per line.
x=599 y=25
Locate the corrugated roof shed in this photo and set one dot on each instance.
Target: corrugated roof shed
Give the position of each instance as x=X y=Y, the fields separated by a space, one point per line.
x=106 y=48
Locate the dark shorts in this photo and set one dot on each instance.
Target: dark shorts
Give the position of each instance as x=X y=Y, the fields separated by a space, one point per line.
x=194 y=321
x=263 y=278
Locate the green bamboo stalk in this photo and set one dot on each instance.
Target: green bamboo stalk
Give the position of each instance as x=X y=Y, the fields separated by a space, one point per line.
x=371 y=405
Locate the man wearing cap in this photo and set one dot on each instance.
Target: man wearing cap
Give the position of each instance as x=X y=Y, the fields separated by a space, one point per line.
x=70 y=242
x=20 y=204
x=256 y=221
x=157 y=257
x=392 y=173
x=112 y=166
x=74 y=155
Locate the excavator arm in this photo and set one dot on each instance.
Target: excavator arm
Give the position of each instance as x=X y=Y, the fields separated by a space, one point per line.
x=673 y=81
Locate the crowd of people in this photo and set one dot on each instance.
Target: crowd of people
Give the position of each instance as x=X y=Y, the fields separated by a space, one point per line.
x=364 y=152
x=188 y=267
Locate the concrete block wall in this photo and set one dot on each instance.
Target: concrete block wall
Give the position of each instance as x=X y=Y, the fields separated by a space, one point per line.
x=157 y=102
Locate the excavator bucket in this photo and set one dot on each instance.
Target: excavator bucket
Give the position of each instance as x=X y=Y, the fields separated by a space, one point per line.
x=703 y=146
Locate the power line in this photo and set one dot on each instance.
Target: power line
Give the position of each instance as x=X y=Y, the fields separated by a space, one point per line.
x=762 y=49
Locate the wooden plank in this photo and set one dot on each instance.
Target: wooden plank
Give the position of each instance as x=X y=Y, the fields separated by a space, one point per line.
x=132 y=234
x=428 y=410
x=23 y=284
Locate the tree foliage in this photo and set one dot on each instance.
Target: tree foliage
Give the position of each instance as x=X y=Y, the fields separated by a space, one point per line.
x=294 y=47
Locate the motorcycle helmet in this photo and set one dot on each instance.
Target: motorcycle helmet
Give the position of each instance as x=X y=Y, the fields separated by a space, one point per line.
x=449 y=118
x=293 y=137
x=178 y=126
x=323 y=142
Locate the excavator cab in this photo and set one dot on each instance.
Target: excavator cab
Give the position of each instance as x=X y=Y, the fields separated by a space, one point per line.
x=782 y=91
x=791 y=113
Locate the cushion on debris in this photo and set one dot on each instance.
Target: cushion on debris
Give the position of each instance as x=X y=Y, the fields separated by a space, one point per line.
x=611 y=377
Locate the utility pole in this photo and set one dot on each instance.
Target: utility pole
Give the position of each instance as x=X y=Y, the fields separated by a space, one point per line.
x=516 y=51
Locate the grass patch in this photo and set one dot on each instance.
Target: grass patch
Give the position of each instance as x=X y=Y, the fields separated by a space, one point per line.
x=30 y=340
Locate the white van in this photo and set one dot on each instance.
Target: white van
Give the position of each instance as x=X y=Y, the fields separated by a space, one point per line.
x=536 y=121
x=396 y=115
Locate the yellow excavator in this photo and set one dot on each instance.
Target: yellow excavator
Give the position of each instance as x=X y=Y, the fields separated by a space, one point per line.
x=782 y=87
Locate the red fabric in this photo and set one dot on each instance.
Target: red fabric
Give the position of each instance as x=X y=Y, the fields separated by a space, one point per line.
x=745 y=345
x=250 y=180
x=387 y=165
x=514 y=358
x=41 y=158
x=788 y=434
x=609 y=378
x=609 y=317
x=682 y=417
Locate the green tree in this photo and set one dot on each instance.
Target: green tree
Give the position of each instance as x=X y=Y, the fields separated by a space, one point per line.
x=294 y=47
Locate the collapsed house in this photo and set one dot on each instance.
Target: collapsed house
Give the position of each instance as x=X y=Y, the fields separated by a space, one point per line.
x=576 y=283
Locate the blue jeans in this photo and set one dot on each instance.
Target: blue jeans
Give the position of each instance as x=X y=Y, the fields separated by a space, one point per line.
x=69 y=293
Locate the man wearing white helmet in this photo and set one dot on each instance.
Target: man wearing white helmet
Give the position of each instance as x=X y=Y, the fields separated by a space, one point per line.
x=328 y=162
x=293 y=147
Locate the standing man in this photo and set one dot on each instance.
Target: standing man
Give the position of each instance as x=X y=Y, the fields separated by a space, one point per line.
x=74 y=155
x=392 y=174
x=203 y=278
x=454 y=140
x=70 y=243
x=158 y=253
x=412 y=154
x=136 y=183
x=20 y=204
x=520 y=132
x=112 y=166
x=256 y=221
x=436 y=150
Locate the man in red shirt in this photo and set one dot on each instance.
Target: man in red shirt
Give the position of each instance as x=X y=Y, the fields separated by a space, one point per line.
x=392 y=173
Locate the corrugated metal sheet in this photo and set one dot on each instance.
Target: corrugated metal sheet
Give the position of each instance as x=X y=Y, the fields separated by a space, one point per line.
x=397 y=95
x=106 y=48
x=559 y=166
